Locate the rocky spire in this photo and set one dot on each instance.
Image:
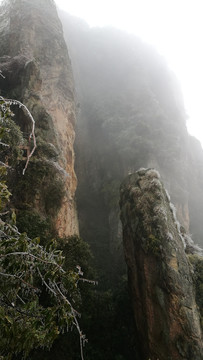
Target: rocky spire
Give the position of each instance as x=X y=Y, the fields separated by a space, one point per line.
x=160 y=274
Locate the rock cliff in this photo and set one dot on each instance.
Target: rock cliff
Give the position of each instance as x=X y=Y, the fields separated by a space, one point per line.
x=160 y=274
x=37 y=70
x=130 y=115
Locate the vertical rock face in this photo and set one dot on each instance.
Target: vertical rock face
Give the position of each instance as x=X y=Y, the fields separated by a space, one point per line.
x=131 y=115
x=35 y=62
x=160 y=275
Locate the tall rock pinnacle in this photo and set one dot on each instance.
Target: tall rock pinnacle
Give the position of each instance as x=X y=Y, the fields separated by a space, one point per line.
x=160 y=275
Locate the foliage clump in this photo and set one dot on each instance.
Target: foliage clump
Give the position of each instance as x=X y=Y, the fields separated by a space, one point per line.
x=152 y=245
x=34 y=225
x=35 y=289
x=10 y=136
x=36 y=292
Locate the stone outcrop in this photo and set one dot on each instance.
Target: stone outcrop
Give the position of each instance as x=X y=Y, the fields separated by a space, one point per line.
x=37 y=70
x=160 y=274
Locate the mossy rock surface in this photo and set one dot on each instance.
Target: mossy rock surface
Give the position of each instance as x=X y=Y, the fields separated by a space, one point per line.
x=160 y=275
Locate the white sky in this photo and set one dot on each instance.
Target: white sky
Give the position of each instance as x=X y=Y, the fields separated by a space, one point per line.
x=175 y=27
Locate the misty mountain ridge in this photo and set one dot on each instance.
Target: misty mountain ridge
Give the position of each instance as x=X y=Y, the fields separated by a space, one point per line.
x=132 y=104
x=107 y=108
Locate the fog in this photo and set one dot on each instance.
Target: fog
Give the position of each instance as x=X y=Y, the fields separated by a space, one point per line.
x=173 y=27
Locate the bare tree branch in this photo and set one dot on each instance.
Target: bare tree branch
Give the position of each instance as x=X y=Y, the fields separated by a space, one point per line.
x=2 y=75
x=32 y=134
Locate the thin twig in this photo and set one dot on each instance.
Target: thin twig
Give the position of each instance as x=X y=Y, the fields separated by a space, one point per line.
x=32 y=134
x=5 y=165
x=2 y=75
x=19 y=278
x=3 y=144
x=45 y=283
x=34 y=257
x=25 y=313
x=4 y=213
x=81 y=335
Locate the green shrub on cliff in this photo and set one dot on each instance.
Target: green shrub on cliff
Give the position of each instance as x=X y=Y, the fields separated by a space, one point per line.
x=36 y=292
